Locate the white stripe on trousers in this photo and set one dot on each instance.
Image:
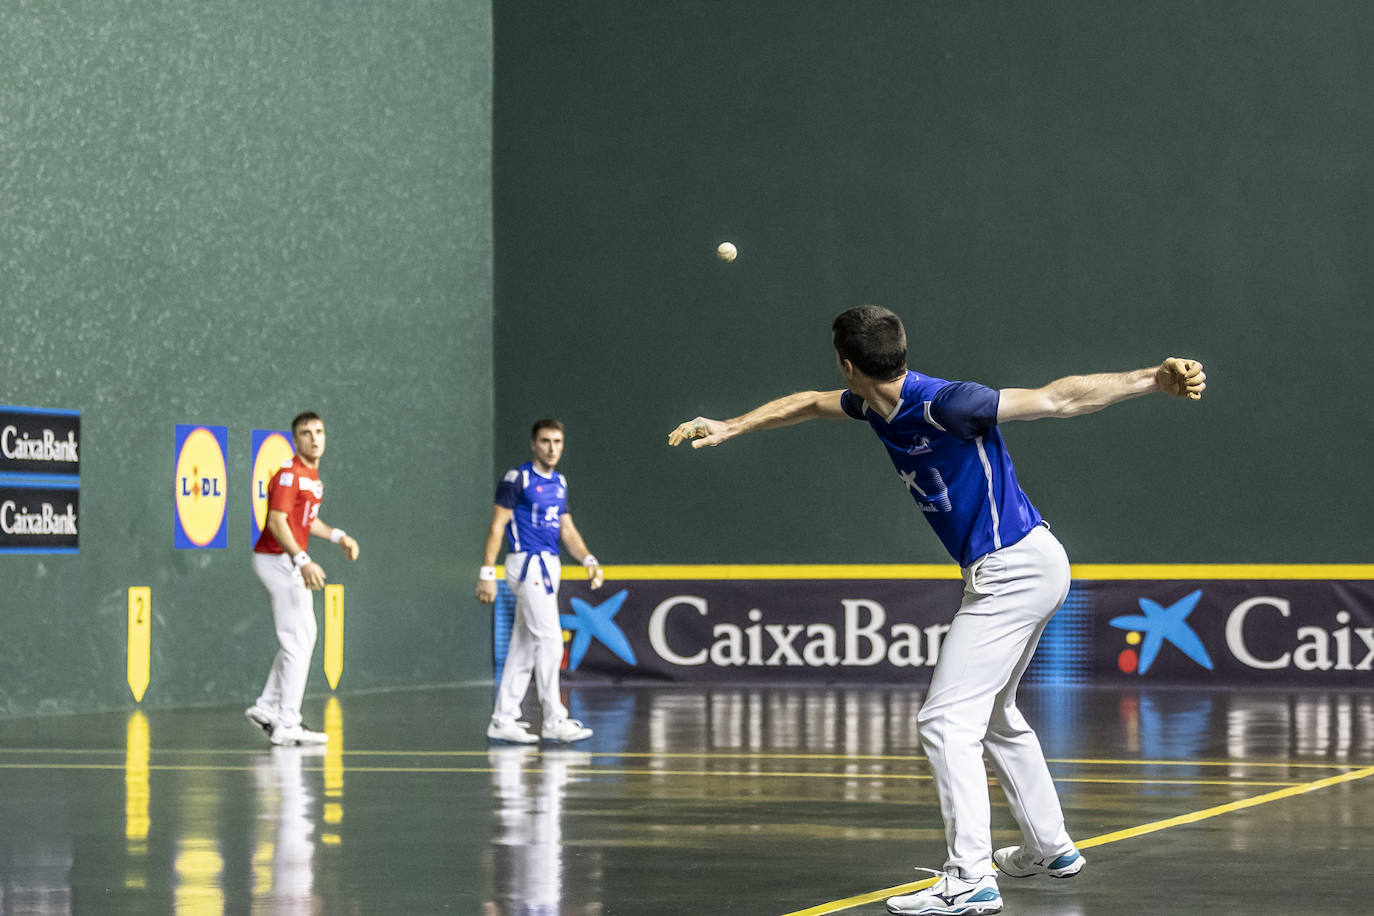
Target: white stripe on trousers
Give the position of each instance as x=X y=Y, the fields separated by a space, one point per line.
x=536 y=640
x=293 y=612
x=1009 y=596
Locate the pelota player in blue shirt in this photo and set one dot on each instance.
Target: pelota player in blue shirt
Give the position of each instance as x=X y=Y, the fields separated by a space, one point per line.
x=944 y=442
x=531 y=512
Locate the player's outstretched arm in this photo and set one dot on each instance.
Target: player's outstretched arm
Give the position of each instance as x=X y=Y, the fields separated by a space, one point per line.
x=804 y=405
x=572 y=539
x=1075 y=395
x=486 y=577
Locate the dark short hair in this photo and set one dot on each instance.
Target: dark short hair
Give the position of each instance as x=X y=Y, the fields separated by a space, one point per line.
x=546 y=423
x=873 y=339
x=303 y=417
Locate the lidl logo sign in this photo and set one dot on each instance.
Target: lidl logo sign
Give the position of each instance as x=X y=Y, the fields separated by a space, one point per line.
x=271 y=450
x=201 y=487
x=1156 y=626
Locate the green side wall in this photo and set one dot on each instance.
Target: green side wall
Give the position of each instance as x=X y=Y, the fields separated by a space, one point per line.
x=226 y=213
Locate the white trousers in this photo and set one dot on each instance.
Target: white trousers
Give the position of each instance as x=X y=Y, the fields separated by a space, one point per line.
x=293 y=612
x=536 y=638
x=1009 y=596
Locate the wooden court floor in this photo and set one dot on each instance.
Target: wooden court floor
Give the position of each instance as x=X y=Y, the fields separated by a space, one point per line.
x=730 y=800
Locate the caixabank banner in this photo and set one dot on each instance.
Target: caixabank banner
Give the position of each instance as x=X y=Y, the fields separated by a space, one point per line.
x=1290 y=633
x=40 y=480
x=785 y=630
x=1194 y=631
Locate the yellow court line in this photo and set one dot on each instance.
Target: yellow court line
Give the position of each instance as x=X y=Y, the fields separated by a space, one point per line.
x=1227 y=808
x=1205 y=763
x=710 y=755
x=1191 y=818
x=1081 y=571
x=596 y=771
x=238 y=768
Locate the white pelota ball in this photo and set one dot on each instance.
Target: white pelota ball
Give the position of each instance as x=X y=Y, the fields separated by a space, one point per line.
x=727 y=251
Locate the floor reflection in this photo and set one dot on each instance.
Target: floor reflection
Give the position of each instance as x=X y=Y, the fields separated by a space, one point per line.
x=1162 y=723
x=137 y=795
x=37 y=877
x=284 y=860
x=530 y=790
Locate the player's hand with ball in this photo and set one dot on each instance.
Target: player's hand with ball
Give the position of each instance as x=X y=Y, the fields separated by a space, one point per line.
x=594 y=574
x=1181 y=378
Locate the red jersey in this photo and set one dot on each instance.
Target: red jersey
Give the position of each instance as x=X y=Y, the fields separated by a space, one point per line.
x=297 y=491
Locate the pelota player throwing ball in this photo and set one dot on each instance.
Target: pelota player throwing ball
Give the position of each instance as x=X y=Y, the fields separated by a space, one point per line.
x=943 y=440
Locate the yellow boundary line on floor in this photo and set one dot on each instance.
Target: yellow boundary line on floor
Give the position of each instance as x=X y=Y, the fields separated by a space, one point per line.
x=1102 y=840
x=701 y=755
x=1081 y=571
x=581 y=770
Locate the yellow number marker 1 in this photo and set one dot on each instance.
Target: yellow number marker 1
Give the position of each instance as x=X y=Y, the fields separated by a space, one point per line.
x=333 y=633
x=140 y=639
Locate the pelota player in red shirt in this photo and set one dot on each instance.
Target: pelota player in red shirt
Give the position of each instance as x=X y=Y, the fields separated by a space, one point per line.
x=279 y=559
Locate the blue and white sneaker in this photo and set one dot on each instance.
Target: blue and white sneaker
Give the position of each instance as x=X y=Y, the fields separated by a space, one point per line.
x=950 y=896
x=1018 y=862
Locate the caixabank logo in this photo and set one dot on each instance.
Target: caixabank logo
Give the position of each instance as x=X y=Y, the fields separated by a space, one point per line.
x=200 y=487
x=1282 y=633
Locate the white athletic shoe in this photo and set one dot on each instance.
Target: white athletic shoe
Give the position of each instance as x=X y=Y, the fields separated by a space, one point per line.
x=288 y=735
x=261 y=718
x=950 y=896
x=511 y=733
x=565 y=731
x=1017 y=862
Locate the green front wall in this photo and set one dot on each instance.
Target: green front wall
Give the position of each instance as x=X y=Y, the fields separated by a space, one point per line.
x=1039 y=189
x=226 y=213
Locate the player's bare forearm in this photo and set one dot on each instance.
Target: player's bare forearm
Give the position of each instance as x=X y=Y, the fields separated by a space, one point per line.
x=500 y=517
x=784 y=411
x=1076 y=395
x=312 y=573
x=347 y=543
x=486 y=580
x=572 y=539
x=277 y=524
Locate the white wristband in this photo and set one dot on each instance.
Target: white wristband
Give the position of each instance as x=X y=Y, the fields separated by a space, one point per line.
x=589 y=561
x=338 y=535
x=301 y=559
x=486 y=574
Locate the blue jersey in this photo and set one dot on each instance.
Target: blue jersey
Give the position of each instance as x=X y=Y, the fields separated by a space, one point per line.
x=942 y=437
x=537 y=504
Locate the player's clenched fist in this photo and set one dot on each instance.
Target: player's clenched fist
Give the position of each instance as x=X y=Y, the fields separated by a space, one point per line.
x=1181 y=378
